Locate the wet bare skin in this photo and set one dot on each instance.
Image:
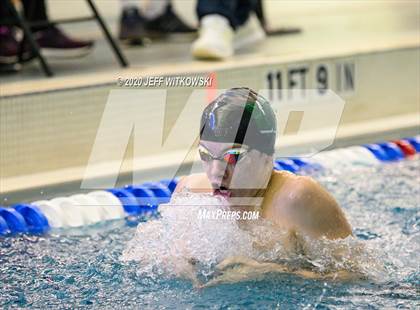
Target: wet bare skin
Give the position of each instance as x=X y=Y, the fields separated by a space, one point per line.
x=295 y=204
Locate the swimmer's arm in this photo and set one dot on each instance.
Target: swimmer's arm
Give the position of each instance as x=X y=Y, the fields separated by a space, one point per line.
x=189 y=272
x=238 y=268
x=310 y=209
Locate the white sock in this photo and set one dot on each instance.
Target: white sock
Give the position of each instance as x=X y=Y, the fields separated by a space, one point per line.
x=152 y=9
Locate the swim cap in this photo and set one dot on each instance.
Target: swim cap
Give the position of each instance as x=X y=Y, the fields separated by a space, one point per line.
x=240 y=115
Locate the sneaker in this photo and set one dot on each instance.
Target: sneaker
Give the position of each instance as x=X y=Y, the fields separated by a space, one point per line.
x=9 y=46
x=215 y=39
x=167 y=23
x=249 y=34
x=132 y=27
x=56 y=43
x=10 y=68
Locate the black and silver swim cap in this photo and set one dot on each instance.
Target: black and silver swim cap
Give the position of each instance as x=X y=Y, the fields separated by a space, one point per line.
x=240 y=115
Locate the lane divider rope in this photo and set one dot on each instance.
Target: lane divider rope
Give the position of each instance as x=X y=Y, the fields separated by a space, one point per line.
x=85 y=209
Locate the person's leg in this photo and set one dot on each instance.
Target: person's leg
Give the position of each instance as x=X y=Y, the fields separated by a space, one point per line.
x=9 y=47
x=152 y=9
x=219 y=20
x=217 y=24
x=167 y=22
x=35 y=11
x=51 y=39
x=251 y=31
x=132 y=23
x=243 y=10
x=225 y=8
x=236 y=11
x=149 y=18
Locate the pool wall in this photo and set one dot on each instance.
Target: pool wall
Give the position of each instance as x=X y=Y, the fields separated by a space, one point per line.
x=48 y=128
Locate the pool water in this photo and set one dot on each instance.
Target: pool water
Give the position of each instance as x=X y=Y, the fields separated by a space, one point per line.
x=116 y=264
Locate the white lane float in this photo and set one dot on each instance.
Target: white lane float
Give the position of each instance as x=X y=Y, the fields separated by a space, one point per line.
x=73 y=214
x=111 y=205
x=52 y=212
x=93 y=212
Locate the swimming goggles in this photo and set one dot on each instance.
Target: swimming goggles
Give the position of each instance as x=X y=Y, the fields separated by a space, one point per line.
x=231 y=156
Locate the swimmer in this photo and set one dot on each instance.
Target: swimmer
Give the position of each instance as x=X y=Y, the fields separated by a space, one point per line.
x=237 y=137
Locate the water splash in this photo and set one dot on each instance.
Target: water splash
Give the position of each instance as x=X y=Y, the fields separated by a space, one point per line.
x=167 y=246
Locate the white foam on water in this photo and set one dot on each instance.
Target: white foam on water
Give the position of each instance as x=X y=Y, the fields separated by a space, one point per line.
x=165 y=246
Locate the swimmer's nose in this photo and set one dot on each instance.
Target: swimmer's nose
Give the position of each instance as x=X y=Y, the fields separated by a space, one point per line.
x=217 y=171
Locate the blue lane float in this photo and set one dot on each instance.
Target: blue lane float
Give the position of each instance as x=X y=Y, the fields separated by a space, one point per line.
x=128 y=200
x=14 y=220
x=161 y=192
x=392 y=150
x=296 y=164
x=286 y=164
x=301 y=162
x=415 y=142
x=378 y=151
x=170 y=184
x=145 y=198
x=36 y=221
x=4 y=228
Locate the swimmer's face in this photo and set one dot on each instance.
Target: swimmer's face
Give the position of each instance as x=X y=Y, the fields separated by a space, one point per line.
x=234 y=170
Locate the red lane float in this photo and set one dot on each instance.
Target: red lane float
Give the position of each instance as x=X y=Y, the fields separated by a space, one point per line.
x=406 y=147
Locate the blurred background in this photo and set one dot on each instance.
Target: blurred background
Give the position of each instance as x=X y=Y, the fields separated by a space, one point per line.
x=325 y=26
x=367 y=52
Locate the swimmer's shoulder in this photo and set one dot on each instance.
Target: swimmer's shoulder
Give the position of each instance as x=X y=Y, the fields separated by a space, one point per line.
x=286 y=182
x=196 y=182
x=306 y=206
x=282 y=181
x=282 y=176
x=283 y=187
